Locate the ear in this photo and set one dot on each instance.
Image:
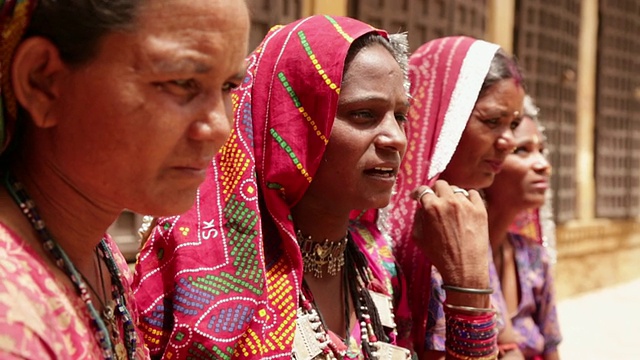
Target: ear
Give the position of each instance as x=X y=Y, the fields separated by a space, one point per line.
x=36 y=74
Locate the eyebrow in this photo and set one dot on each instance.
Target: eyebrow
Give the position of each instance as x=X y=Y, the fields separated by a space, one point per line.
x=368 y=98
x=180 y=65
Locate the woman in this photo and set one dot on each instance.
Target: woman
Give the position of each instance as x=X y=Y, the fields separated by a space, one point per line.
x=267 y=263
x=81 y=81
x=522 y=264
x=467 y=101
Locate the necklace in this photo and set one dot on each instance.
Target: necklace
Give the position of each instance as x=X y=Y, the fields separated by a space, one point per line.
x=315 y=255
x=312 y=339
x=60 y=258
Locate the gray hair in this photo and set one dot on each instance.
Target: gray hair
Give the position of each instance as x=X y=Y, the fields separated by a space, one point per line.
x=503 y=66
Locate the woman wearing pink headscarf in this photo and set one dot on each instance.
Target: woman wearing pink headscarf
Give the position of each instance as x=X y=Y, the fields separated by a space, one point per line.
x=467 y=99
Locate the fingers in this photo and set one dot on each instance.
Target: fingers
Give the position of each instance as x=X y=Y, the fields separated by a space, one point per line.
x=441 y=189
x=420 y=192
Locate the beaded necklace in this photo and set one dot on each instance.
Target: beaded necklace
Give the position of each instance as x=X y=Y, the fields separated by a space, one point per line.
x=312 y=340
x=60 y=258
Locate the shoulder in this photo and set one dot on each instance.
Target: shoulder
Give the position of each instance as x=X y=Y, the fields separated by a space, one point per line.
x=37 y=318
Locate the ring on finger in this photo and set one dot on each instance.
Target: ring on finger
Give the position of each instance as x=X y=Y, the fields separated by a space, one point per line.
x=461 y=191
x=423 y=193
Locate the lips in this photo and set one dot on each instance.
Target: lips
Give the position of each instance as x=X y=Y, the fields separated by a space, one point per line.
x=495 y=165
x=198 y=168
x=388 y=171
x=541 y=184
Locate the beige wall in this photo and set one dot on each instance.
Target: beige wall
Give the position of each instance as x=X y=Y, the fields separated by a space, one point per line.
x=327 y=7
x=500 y=20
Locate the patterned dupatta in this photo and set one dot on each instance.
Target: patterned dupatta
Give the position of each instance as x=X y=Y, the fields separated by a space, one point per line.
x=222 y=280
x=15 y=16
x=446 y=75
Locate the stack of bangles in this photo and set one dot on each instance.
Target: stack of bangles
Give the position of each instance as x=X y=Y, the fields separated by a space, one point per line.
x=471 y=331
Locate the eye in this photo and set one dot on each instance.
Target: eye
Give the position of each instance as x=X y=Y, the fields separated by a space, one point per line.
x=521 y=150
x=492 y=122
x=229 y=86
x=362 y=115
x=401 y=117
x=515 y=123
x=185 y=88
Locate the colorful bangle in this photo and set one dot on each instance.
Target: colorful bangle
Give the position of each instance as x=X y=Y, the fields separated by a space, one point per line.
x=471 y=336
x=464 y=290
x=492 y=356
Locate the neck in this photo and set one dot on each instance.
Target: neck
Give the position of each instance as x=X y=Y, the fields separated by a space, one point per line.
x=75 y=221
x=499 y=218
x=318 y=223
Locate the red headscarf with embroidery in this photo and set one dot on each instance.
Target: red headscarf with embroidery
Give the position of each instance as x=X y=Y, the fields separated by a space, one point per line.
x=228 y=272
x=446 y=76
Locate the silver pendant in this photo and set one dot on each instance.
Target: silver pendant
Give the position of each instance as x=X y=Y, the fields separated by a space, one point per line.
x=384 y=305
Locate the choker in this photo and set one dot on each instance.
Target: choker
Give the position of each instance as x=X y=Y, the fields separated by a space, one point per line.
x=315 y=255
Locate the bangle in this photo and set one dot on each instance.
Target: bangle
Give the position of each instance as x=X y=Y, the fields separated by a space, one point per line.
x=493 y=356
x=469 y=309
x=464 y=290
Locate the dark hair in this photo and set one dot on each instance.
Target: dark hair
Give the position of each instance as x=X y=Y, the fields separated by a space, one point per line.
x=76 y=26
x=503 y=66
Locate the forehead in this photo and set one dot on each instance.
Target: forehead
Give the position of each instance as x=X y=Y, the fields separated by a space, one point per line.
x=372 y=68
x=207 y=24
x=506 y=93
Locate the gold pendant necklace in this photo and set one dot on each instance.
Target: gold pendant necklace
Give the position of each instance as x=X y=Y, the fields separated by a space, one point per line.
x=315 y=255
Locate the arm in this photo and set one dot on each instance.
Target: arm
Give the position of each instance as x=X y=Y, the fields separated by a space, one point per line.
x=451 y=229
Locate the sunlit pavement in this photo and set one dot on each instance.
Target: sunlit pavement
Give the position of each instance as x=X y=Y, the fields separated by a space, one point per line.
x=604 y=324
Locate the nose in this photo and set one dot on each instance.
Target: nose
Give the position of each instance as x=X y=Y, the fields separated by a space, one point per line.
x=541 y=163
x=391 y=135
x=506 y=141
x=213 y=123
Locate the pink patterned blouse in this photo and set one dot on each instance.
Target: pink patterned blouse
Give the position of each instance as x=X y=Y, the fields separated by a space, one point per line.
x=40 y=318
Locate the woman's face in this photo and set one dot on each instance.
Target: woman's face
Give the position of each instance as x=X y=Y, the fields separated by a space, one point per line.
x=367 y=140
x=138 y=125
x=524 y=178
x=487 y=138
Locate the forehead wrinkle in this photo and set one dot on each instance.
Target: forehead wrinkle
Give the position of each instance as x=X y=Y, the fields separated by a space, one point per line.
x=169 y=55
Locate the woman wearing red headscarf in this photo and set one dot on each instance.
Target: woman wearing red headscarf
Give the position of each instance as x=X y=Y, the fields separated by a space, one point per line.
x=467 y=99
x=266 y=263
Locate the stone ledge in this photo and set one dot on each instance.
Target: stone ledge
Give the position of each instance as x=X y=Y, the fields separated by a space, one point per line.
x=596 y=254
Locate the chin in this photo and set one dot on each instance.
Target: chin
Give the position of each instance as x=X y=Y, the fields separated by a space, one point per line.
x=168 y=205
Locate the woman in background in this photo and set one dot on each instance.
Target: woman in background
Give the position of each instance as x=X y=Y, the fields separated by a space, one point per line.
x=522 y=263
x=467 y=100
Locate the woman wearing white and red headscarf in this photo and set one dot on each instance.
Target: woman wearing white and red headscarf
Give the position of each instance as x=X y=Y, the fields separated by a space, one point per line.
x=467 y=99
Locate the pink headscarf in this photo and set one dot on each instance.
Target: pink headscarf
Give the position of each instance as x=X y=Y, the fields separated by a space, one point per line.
x=446 y=76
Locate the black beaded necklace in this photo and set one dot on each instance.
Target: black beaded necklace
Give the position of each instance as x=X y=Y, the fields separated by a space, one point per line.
x=102 y=334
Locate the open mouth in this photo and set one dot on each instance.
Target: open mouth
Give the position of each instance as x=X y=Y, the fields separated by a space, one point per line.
x=385 y=172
